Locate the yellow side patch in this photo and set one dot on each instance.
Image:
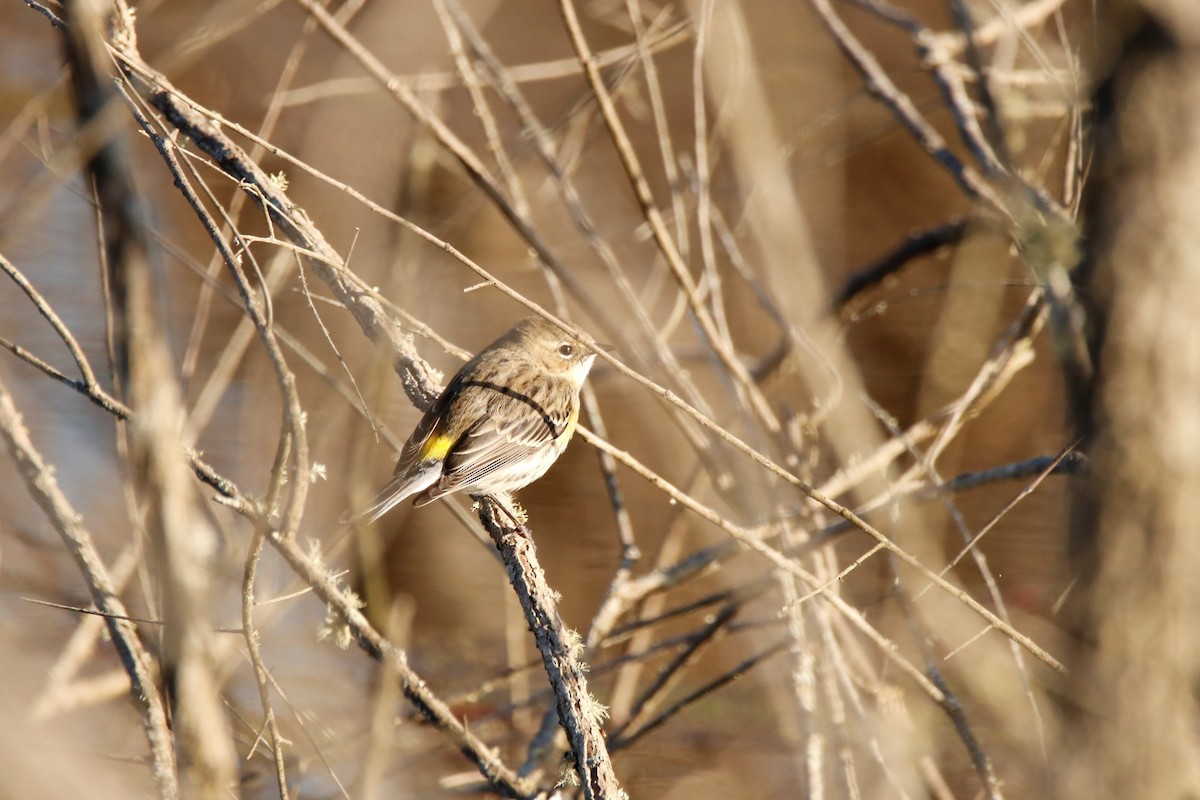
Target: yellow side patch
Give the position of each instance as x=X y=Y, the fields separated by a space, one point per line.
x=436 y=448
x=571 y=422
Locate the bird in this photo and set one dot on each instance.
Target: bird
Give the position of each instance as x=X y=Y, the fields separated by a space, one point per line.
x=501 y=422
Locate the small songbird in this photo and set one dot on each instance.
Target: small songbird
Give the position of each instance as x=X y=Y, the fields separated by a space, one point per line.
x=503 y=419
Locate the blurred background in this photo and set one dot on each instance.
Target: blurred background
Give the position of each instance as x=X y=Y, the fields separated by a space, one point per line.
x=867 y=202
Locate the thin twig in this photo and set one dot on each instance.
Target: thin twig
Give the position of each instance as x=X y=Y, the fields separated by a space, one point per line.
x=666 y=243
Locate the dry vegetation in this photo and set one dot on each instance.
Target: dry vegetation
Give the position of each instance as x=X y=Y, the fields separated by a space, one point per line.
x=887 y=492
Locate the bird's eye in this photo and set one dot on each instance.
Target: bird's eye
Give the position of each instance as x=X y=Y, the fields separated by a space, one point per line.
x=566 y=350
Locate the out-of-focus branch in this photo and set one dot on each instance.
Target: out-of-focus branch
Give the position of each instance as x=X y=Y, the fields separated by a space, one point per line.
x=1131 y=721
x=137 y=662
x=183 y=538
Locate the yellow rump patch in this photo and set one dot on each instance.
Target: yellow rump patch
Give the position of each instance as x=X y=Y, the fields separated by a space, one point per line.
x=436 y=448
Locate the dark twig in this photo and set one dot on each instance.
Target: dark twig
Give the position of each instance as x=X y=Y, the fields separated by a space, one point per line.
x=915 y=245
x=743 y=592
x=700 y=693
x=672 y=671
x=950 y=704
x=42 y=9
x=662 y=645
x=1071 y=464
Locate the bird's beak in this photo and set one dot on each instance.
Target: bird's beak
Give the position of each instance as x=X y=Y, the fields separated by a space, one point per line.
x=608 y=348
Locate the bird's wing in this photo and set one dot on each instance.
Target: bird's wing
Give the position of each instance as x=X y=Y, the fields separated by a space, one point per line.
x=493 y=444
x=433 y=420
x=411 y=453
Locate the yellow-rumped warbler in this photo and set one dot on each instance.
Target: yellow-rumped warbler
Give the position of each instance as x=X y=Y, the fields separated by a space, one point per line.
x=503 y=419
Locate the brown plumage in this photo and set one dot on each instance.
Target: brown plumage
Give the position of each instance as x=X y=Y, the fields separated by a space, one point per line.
x=501 y=422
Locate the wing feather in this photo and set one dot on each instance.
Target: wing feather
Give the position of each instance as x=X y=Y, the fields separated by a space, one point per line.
x=492 y=445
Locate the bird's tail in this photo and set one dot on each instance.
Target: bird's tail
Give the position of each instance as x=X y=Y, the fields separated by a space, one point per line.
x=397 y=490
